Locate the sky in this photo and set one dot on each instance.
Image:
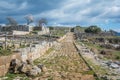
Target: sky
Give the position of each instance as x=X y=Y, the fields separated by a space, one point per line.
x=104 y=13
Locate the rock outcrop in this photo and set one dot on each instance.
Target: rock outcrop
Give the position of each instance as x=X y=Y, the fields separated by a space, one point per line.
x=28 y=68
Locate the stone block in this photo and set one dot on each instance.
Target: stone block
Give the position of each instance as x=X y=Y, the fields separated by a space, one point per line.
x=2 y=70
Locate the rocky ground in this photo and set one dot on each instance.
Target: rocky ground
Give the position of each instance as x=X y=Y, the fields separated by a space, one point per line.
x=64 y=63
x=61 y=62
x=99 y=65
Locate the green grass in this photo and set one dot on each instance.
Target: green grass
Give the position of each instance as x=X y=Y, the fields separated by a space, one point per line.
x=98 y=69
x=88 y=72
x=4 y=52
x=37 y=61
x=115 y=53
x=90 y=45
x=49 y=50
x=58 y=33
x=12 y=76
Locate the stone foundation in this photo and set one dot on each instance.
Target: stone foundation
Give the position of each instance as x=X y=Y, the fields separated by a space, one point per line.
x=5 y=63
x=33 y=52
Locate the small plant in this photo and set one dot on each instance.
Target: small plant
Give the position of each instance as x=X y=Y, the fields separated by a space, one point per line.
x=13 y=76
x=88 y=72
x=5 y=51
x=22 y=46
x=117 y=57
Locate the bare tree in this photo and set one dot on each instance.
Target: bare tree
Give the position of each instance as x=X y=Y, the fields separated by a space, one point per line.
x=12 y=21
x=29 y=19
x=42 y=21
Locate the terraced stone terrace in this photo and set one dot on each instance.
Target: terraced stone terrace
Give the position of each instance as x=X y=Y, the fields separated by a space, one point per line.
x=62 y=62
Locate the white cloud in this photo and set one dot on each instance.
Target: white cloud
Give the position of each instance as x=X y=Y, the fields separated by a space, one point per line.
x=76 y=11
x=7 y=5
x=24 y=5
x=67 y=11
x=88 y=11
x=118 y=30
x=4 y=5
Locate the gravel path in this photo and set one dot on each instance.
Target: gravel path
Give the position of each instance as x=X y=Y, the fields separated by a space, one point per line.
x=64 y=63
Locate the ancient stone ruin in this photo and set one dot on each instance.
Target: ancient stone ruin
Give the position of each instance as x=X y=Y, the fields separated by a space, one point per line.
x=28 y=68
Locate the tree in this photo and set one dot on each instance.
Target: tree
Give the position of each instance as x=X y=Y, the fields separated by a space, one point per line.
x=51 y=28
x=93 y=29
x=42 y=21
x=29 y=19
x=12 y=21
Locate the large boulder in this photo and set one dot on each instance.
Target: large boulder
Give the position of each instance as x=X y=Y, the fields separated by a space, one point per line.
x=42 y=67
x=17 y=66
x=23 y=68
x=34 y=71
x=14 y=65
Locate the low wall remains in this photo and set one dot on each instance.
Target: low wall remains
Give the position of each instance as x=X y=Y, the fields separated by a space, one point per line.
x=5 y=62
x=33 y=52
x=20 y=32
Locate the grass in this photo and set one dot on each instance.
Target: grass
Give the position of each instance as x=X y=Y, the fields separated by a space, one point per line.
x=90 y=45
x=90 y=72
x=4 y=52
x=49 y=50
x=58 y=33
x=98 y=69
x=23 y=46
x=115 y=54
x=12 y=76
x=37 y=61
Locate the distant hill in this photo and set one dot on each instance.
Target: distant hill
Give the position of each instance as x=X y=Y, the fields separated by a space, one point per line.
x=118 y=34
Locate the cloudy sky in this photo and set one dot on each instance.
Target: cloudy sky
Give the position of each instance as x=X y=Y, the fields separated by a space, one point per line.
x=104 y=13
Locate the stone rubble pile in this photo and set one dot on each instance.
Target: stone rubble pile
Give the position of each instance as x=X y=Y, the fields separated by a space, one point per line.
x=28 y=68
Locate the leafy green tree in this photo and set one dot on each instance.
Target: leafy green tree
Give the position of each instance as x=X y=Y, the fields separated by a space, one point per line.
x=93 y=29
x=51 y=28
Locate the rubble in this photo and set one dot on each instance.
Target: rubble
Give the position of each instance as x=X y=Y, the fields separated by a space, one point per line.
x=28 y=68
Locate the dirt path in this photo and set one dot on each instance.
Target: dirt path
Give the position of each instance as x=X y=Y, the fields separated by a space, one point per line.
x=64 y=63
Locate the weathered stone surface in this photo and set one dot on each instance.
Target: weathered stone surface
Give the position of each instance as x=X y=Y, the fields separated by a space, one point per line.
x=42 y=67
x=23 y=68
x=2 y=70
x=17 y=66
x=5 y=61
x=14 y=65
x=29 y=61
x=34 y=71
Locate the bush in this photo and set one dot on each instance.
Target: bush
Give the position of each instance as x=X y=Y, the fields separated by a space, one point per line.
x=117 y=57
x=5 y=51
x=103 y=52
x=93 y=29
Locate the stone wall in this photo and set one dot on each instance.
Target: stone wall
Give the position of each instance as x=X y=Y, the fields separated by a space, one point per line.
x=20 y=32
x=44 y=31
x=33 y=52
x=5 y=63
x=61 y=38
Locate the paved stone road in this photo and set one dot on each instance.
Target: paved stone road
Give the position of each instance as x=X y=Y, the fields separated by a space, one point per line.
x=64 y=63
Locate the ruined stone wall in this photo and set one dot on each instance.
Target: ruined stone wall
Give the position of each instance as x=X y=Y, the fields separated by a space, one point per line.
x=5 y=63
x=20 y=32
x=33 y=52
x=61 y=38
